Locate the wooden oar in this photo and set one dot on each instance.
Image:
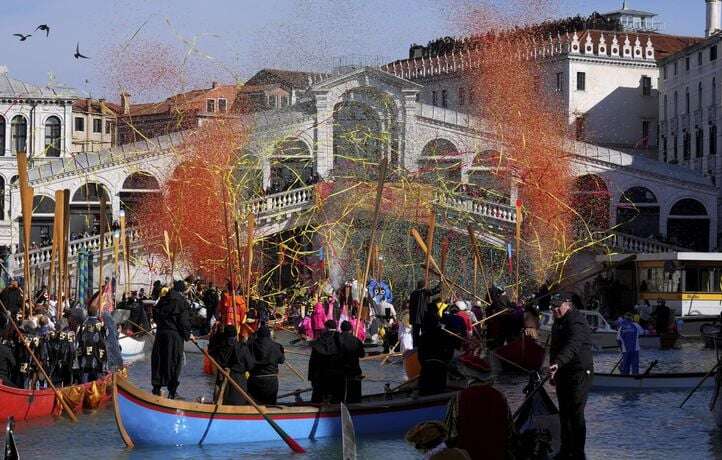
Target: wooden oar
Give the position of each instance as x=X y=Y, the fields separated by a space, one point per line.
x=391 y=353
x=694 y=390
x=294 y=393
x=294 y=370
x=348 y=438
x=21 y=337
x=296 y=447
x=616 y=365
x=529 y=396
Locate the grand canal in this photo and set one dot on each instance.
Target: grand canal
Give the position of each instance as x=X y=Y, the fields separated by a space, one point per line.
x=620 y=425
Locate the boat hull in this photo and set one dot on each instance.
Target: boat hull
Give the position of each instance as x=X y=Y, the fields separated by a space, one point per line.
x=24 y=404
x=616 y=382
x=150 y=420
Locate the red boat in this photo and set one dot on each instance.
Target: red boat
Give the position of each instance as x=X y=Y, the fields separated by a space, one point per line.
x=28 y=404
x=526 y=353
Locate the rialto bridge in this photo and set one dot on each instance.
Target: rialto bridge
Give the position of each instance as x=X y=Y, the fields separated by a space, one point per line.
x=655 y=204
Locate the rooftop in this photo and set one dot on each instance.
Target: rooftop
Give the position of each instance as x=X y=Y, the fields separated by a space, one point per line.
x=14 y=88
x=626 y=11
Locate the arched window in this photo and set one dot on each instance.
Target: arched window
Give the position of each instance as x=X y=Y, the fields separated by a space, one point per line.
x=52 y=137
x=2 y=198
x=19 y=134
x=141 y=181
x=699 y=96
x=90 y=192
x=43 y=205
x=2 y=136
x=638 y=212
x=591 y=200
x=714 y=91
x=688 y=225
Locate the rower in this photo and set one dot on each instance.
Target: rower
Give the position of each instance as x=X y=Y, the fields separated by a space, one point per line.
x=233 y=354
x=352 y=349
x=324 y=366
x=267 y=354
x=628 y=336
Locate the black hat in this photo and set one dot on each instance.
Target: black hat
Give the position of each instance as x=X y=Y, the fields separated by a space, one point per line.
x=561 y=297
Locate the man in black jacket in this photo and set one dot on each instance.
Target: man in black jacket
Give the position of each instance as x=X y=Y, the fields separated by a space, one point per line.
x=12 y=298
x=418 y=302
x=572 y=370
x=352 y=349
x=172 y=317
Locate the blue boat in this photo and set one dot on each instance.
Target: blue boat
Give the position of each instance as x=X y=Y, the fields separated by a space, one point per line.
x=150 y=420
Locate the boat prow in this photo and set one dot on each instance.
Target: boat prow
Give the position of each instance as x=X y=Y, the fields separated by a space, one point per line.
x=672 y=381
x=147 y=419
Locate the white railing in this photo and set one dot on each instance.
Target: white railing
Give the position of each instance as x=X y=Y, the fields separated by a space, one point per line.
x=41 y=256
x=631 y=243
x=279 y=203
x=443 y=115
x=481 y=208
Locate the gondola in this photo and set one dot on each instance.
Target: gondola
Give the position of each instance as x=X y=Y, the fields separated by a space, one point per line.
x=145 y=419
x=132 y=346
x=22 y=404
x=525 y=352
x=671 y=381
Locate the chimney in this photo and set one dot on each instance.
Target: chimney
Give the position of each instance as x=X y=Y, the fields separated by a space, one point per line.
x=714 y=17
x=125 y=102
x=214 y=84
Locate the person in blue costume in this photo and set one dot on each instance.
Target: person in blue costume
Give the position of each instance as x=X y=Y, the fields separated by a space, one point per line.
x=628 y=336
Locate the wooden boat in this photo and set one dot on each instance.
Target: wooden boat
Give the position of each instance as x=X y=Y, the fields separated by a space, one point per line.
x=604 y=336
x=672 y=381
x=132 y=346
x=146 y=419
x=24 y=404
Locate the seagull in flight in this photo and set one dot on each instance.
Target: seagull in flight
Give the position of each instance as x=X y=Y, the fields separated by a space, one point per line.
x=22 y=37
x=45 y=28
x=77 y=52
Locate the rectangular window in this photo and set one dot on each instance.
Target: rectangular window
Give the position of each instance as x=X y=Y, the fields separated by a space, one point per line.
x=664 y=148
x=581 y=81
x=271 y=101
x=579 y=128
x=97 y=125
x=713 y=140
x=699 y=143
x=107 y=127
x=444 y=99
x=210 y=105
x=686 y=64
x=462 y=96
x=664 y=71
x=686 y=145
x=675 y=68
x=645 y=133
x=560 y=82
x=434 y=102
x=713 y=53
x=79 y=124
x=699 y=58
x=222 y=105
x=646 y=86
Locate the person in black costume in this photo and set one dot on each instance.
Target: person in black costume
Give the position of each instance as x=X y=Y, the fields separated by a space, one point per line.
x=435 y=352
x=352 y=349
x=8 y=364
x=572 y=371
x=234 y=355
x=210 y=300
x=12 y=298
x=263 y=383
x=325 y=370
x=418 y=302
x=172 y=317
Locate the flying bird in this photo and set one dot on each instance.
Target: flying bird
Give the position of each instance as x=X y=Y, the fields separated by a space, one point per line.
x=77 y=52
x=45 y=28
x=23 y=37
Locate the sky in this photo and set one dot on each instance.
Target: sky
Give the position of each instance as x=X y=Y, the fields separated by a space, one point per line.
x=153 y=48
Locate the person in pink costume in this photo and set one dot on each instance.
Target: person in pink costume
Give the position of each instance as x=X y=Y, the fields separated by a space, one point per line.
x=318 y=318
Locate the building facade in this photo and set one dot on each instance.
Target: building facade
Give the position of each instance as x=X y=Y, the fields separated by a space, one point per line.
x=94 y=125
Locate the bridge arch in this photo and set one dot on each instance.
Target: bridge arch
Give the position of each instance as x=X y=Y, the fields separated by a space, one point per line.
x=85 y=208
x=591 y=200
x=441 y=163
x=136 y=189
x=638 y=212
x=291 y=165
x=688 y=224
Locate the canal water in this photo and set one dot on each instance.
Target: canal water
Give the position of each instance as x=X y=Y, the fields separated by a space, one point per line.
x=620 y=425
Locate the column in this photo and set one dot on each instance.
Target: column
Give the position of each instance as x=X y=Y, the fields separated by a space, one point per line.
x=324 y=135
x=408 y=132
